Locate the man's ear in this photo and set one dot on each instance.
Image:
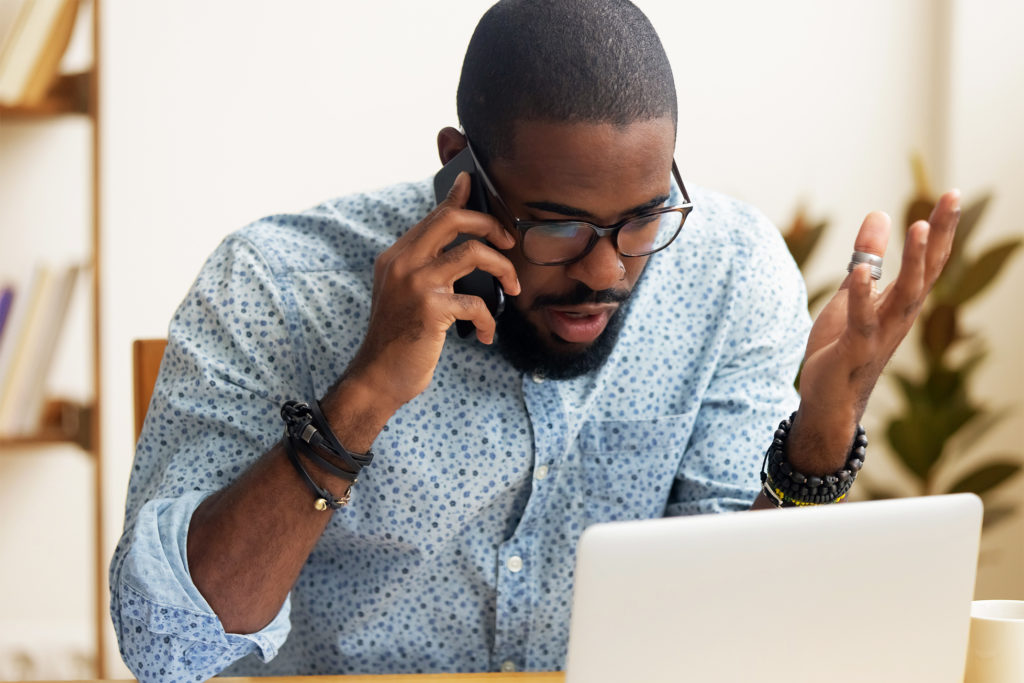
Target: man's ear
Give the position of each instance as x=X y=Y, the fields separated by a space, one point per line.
x=449 y=143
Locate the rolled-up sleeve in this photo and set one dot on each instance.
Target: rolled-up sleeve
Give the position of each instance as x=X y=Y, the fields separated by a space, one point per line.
x=232 y=358
x=167 y=629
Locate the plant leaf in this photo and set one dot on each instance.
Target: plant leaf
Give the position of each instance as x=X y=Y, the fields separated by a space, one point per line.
x=987 y=477
x=943 y=384
x=919 y=434
x=870 y=492
x=980 y=274
x=922 y=203
x=949 y=420
x=969 y=217
x=913 y=391
x=971 y=363
x=980 y=426
x=801 y=238
x=939 y=331
x=995 y=514
x=947 y=286
x=910 y=447
x=810 y=242
x=919 y=209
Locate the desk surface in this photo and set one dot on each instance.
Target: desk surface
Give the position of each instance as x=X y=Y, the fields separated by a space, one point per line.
x=535 y=677
x=528 y=677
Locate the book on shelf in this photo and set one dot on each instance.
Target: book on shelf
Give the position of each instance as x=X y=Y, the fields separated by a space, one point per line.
x=32 y=49
x=9 y=10
x=6 y=299
x=31 y=348
x=13 y=344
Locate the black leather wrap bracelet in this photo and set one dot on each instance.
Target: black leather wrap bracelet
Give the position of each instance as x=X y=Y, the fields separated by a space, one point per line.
x=307 y=433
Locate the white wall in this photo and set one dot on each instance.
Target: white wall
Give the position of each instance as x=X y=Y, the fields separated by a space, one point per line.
x=986 y=154
x=217 y=113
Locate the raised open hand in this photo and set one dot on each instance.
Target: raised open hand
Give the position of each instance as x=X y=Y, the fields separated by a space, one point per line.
x=856 y=334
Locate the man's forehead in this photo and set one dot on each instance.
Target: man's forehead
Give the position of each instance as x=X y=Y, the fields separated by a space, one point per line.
x=593 y=139
x=601 y=169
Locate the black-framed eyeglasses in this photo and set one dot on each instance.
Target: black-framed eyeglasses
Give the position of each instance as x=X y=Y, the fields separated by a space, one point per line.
x=561 y=242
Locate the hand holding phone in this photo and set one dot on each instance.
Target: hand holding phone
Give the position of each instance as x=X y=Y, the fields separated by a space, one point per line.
x=478 y=283
x=414 y=304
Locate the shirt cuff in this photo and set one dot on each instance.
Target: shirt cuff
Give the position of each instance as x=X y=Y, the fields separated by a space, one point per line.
x=158 y=589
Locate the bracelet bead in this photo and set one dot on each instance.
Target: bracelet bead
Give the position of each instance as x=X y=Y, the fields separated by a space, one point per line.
x=787 y=487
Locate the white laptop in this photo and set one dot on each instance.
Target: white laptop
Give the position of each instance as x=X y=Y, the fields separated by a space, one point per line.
x=864 y=592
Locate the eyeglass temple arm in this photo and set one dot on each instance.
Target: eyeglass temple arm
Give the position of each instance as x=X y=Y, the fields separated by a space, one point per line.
x=480 y=167
x=679 y=182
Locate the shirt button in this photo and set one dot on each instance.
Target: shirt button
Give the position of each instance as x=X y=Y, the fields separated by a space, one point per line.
x=538 y=377
x=542 y=472
x=515 y=563
x=508 y=665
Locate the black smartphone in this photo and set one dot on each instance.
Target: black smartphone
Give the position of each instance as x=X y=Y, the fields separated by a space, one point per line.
x=478 y=283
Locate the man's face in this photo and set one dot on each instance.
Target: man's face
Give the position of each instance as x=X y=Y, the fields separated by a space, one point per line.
x=566 y=319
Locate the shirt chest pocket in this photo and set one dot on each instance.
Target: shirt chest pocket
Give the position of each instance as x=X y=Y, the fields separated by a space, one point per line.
x=628 y=465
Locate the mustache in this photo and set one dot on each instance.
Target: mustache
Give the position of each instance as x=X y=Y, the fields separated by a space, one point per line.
x=581 y=295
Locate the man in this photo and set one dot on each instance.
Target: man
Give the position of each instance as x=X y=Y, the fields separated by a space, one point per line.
x=619 y=383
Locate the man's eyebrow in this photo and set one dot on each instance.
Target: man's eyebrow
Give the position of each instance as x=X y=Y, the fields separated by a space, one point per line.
x=565 y=210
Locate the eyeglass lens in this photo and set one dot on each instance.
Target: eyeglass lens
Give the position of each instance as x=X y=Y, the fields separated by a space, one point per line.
x=565 y=241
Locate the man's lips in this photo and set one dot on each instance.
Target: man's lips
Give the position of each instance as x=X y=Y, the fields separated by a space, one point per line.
x=578 y=324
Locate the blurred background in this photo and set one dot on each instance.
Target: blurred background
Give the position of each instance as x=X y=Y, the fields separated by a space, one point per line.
x=209 y=115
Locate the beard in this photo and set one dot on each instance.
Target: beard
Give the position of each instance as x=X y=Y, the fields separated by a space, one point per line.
x=520 y=342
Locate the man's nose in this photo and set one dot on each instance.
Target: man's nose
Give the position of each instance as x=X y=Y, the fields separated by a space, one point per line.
x=600 y=269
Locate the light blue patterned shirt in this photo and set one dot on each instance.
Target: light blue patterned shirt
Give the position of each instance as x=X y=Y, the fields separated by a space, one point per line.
x=457 y=550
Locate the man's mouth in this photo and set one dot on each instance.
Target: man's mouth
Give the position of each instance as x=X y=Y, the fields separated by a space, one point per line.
x=578 y=324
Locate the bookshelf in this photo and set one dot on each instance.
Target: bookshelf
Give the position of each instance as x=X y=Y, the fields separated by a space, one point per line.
x=64 y=422
x=70 y=94
x=71 y=423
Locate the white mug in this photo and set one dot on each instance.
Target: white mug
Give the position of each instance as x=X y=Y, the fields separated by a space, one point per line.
x=995 y=653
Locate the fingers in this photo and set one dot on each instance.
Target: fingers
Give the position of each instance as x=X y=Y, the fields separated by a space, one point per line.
x=860 y=309
x=447 y=308
x=925 y=252
x=458 y=193
x=439 y=273
x=414 y=279
x=473 y=309
x=473 y=254
x=909 y=288
x=451 y=218
x=873 y=237
x=943 y=222
x=876 y=324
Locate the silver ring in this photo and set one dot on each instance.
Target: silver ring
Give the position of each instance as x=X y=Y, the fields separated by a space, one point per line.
x=860 y=257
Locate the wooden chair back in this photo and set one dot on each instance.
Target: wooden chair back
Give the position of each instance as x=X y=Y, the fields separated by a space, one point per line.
x=146 y=357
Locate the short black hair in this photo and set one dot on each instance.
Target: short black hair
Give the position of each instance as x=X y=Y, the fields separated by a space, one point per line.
x=597 y=61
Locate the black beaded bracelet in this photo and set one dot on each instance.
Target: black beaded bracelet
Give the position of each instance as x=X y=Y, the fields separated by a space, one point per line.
x=308 y=433
x=786 y=487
